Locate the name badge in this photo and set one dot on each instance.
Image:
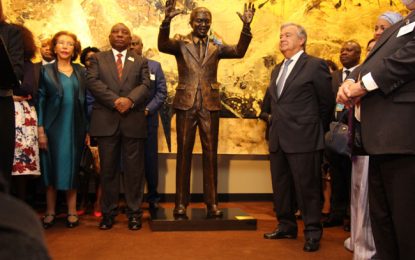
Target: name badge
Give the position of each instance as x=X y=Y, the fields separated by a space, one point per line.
x=152 y=76
x=406 y=29
x=131 y=59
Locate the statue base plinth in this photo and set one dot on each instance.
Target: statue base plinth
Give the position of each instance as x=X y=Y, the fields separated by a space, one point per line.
x=162 y=219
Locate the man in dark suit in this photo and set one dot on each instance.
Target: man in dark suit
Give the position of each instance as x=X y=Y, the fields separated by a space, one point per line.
x=302 y=104
x=157 y=97
x=341 y=165
x=386 y=87
x=197 y=100
x=119 y=81
x=12 y=38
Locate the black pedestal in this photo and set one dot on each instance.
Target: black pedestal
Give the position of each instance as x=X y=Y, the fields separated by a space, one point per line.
x=162 y=219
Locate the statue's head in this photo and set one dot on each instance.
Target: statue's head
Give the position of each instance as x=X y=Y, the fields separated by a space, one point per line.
x=200 y=21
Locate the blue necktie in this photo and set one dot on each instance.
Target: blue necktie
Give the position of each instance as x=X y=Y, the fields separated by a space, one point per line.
x=281 y=80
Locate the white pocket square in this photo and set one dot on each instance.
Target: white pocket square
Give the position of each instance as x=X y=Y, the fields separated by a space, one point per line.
x=131 y=59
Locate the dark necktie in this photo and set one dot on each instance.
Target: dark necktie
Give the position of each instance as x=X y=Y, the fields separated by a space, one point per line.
x=201 y=52
x=119 y=65
x=347 y=73
x=281 y=80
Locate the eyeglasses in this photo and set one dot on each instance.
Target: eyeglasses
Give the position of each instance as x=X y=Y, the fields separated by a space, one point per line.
x=70 y=44
x=135 y=43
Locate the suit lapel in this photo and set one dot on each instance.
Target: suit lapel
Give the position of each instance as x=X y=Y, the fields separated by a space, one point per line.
x=80 y=78
x=297 y=68
x=190 y=46
x=128 y=62
x=53 y=74
x=210 y=51
x=273 y=85
x=110 y=61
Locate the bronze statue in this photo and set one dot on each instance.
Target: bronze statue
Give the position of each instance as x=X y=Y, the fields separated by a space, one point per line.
x=197 y=100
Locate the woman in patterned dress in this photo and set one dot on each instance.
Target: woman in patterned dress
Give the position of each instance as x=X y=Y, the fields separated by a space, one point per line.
x=26 y=153
x=62 y=124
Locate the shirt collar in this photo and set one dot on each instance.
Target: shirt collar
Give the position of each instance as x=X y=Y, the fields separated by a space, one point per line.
x=296 y=56
x=44 y=62
x=350 y=69
x=115 y=52
x=196 y=40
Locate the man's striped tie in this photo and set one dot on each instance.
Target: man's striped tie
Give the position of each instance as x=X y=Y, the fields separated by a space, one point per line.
x=119 y=65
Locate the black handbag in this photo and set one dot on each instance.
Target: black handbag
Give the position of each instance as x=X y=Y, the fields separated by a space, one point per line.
x=87 y=162
x=337 y=138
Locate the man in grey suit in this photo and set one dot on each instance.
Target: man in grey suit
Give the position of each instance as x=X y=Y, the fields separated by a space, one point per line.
x=119 y=81
x=302 y=103
x=386 y=90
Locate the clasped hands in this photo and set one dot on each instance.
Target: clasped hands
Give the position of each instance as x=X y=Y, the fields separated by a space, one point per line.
x=122 y=104
x=349 y=93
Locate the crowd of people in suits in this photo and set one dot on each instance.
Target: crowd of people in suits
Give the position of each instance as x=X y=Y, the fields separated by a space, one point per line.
x=112 y=101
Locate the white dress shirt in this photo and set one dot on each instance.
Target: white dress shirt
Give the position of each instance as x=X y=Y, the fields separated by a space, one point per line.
x=124 y=54
x=290 y=67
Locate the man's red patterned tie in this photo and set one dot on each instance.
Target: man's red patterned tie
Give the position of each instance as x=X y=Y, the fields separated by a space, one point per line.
x=119 y=65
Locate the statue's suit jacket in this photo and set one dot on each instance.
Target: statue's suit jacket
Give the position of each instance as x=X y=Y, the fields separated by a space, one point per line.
x=103 y=82
x=193 y=71
x=388 y=113
x=302 y=113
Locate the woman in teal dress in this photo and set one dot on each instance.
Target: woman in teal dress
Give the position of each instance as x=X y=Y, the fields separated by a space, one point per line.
x=62 y=124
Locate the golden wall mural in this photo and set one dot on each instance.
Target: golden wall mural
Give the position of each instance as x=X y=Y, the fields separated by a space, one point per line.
x=328 y=24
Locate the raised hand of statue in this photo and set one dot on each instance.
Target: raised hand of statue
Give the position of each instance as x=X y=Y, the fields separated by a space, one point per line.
x=171 y=11
x=249 y=12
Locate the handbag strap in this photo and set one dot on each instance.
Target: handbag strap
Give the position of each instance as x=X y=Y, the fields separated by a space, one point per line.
x=342 y=115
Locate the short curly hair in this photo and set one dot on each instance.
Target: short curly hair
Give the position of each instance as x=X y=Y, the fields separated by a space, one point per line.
x=86 y=51
x=77 y=46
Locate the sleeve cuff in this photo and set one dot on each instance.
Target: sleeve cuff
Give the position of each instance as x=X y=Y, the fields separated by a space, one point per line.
x=246 y=29
x=369 y=82
x=132 y=101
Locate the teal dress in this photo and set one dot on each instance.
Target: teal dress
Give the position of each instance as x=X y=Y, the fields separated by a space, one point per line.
x=63 y=118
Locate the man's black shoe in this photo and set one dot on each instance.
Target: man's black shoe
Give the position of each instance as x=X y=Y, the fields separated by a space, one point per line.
x=311 y=245
x=134 y=223
x=278 y=234
x=106 y=222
